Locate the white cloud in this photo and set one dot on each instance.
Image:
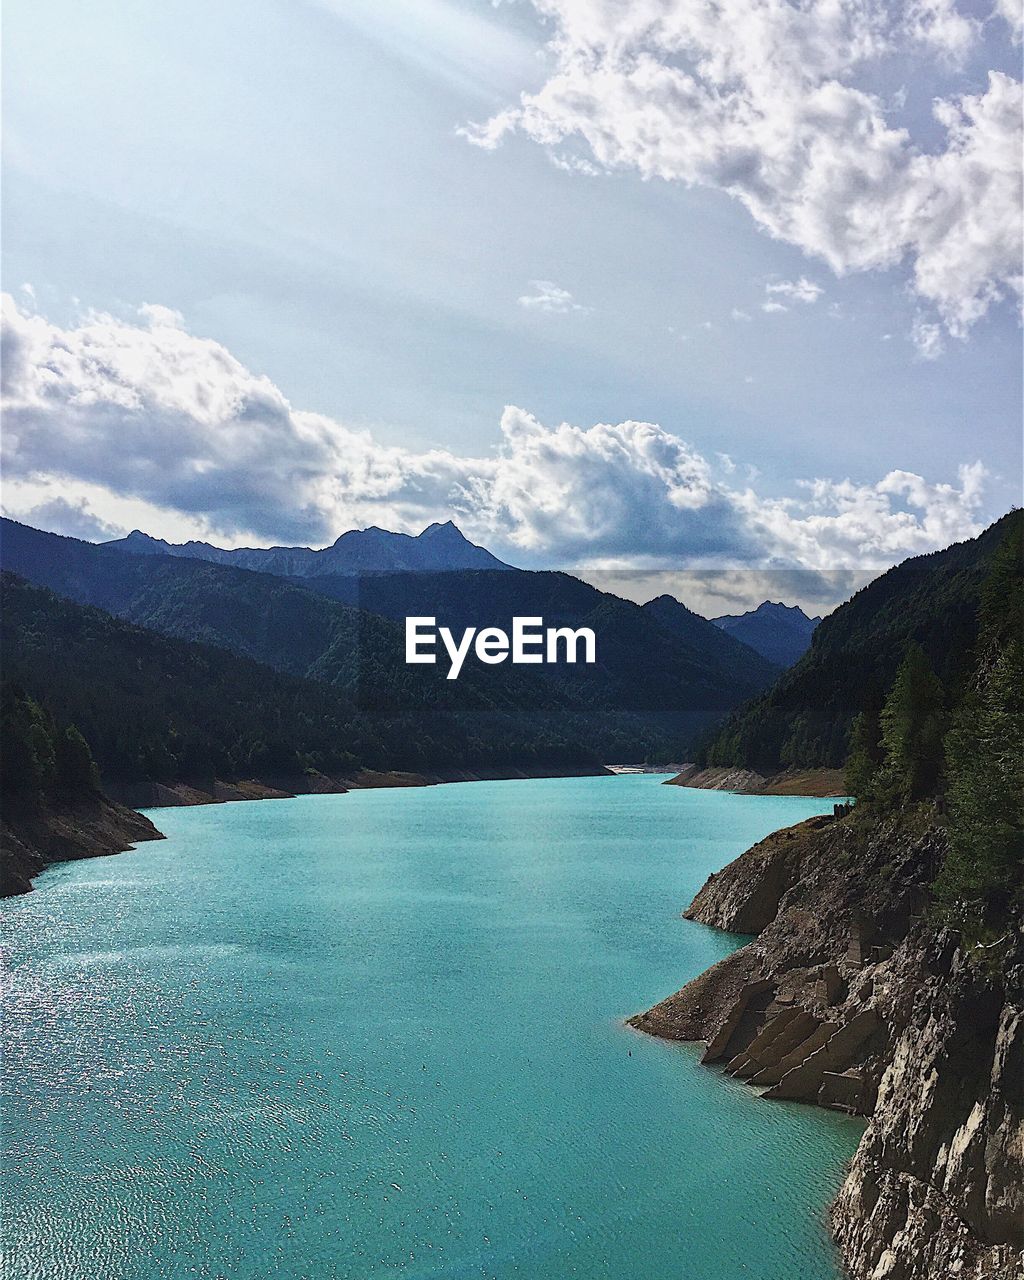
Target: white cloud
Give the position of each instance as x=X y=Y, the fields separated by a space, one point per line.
x=1012 y=13
x=739 y=314
x=774 y=104
x=927 y=339
x=773 y=308
x=74 y=518
x=940 y=25
x=574 y=164
x=802 y=290
x=548 y=296
x=114 y=424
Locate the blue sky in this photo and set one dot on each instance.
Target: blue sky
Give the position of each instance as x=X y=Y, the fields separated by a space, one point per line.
x=296 y=183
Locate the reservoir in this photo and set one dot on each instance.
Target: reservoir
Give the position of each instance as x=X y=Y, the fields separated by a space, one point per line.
x=380 y=1035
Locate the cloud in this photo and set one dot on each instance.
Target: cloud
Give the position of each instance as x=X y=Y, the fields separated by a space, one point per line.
x=574 y=164
x=927 y=339
x=548 y=296
x=738 y=313
x=939 y=25
x=1013 y=15
x=117 y=423
x=774 y=104
x=72 y=518
x=802 y=290
x=773 y=308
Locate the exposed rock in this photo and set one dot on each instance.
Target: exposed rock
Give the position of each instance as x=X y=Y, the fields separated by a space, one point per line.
x=744 y=897
x=89 y=828
x=936 y=1187
x=850 y=999
x=790 y=782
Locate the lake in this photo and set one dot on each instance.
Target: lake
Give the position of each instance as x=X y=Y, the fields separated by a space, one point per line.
x=380 y=1035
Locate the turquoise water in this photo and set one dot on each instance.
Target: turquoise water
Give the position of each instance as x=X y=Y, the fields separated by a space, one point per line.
x=379 y=1034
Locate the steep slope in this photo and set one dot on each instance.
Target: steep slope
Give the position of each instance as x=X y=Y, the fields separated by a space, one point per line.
x=852 y=999
x=438 y=547
x=690 y=628
x=646 y=697
x=158 y=710
x=645 y=662
x=779 y=632
x=804 y=719
x=887 y=975
x=53 y=809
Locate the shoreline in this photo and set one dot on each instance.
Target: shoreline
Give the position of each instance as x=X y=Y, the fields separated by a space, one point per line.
x=845 y=995
x=275 y=787
x=115 y=823
x=818 y=784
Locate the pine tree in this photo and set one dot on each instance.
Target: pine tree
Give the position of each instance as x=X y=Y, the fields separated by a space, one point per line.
x=912 y=724
x=983 y=873
x=76 y=770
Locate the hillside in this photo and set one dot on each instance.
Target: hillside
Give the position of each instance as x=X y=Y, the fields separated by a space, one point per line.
x=779 y=632
x=805 y=718
x=154 y=709
x=438 y=547
x=885 y=977
x=646 y=697
x=646 y=659
x=53 y=809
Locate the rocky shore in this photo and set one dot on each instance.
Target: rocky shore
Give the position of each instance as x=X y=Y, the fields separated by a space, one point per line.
x=748 y=782
x=110 y=824
x=90 y=828
x=850 y=997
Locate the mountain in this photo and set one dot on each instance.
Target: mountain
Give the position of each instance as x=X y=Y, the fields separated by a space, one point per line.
x=886 y=975
x=779 y=632
x=94 y=707
x=652 y=657
x=804 y=719
x=438 y=547
x=692 y=629
x=647 y=697
x=165 y=710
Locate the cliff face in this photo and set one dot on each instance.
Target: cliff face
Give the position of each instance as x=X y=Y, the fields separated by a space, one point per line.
x=849 y=998
x=89 y=828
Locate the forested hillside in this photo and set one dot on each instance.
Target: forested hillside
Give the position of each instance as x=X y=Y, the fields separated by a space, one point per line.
x=805 y=718
x=158 y=709
x=649 y=693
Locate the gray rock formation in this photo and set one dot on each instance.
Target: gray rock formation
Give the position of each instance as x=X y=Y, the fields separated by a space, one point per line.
x=850 y=998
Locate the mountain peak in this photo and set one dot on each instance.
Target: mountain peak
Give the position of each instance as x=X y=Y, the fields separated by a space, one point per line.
x=441 y=546
x=447 y=529
x=779 y=632
x=777 y=607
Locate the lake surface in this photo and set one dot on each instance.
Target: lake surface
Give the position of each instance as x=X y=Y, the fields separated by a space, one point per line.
x=379 y=1034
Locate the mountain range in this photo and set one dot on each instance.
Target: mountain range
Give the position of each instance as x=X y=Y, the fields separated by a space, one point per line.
x=648 y=696
x=438 y=547
x=779 y=632
x=805 y=718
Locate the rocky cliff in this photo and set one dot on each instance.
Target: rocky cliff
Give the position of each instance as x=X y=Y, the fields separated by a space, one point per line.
x=850 y=997
x=88 y=828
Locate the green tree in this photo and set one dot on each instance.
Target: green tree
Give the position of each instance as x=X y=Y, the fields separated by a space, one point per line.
x=912 y=724
x=76 y=771
x=983 y=872
x=985 y=753
x=27 y=761
x=866 y=753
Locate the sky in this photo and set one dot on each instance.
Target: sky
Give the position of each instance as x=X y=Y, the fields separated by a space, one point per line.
x=649 y=286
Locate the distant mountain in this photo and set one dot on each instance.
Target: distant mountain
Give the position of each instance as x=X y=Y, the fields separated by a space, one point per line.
x=779 y=632
x=438 y=547
x=804 y=719
x=668 y=664
x=691 y=628
x=647 y=697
